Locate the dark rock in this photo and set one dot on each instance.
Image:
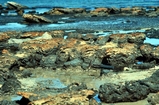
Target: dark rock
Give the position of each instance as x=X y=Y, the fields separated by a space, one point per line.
x=26 y=73
x=76 y=87
x=85 y=66
x=146 y=51
x=122 y=57
x=145 y=65
x=137 y=38
x=61 y=58
x=31 y=61
x=48 y=61
x=11 y=84
x=74 y=35
x=89 y=37
x=152 y=33
x=101 y=40
x=131 y=91
x=153 y=99
x=1 y=7
x=118 y=38
x=74 y=62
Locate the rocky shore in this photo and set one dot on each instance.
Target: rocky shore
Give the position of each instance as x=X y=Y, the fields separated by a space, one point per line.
x=74 y=67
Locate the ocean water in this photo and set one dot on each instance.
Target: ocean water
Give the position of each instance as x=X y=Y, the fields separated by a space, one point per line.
x=85 y=3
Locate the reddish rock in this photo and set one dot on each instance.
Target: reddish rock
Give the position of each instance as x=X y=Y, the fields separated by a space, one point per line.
x=41 y=44
x=70 y=98
x=31 y=34
x=126 y=10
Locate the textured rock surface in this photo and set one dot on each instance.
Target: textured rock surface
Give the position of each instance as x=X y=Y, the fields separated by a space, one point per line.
x=153 y=99
x=36 y=18
x=129 y=91
x=74 y=97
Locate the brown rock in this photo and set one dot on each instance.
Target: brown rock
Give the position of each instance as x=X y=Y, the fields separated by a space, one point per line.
x=61 y=11
x=36 y=18
x=57 y=33
x=138 y=11
x=73 y=98
x=126 y=10
x=137 y=38
x=26 y=94
x=31 y=34
x=4 y=37
x=41 y=44
x=100 y=12
x=122 y=56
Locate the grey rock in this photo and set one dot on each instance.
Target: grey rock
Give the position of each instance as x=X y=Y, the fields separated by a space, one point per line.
x=48 y=61
x=74 y=62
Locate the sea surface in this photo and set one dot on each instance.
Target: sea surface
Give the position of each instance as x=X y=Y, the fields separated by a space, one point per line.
x=89 y=4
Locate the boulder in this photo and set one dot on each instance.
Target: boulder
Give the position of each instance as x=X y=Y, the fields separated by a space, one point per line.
x=128 y=92
x=36 y=19
x=146 y=51
x=122 y=56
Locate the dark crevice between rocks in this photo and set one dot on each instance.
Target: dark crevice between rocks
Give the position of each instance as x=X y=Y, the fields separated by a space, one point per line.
x=144 y=63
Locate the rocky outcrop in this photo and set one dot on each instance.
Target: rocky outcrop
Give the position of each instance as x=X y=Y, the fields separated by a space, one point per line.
x=129 y=91
x=61 y=11
x=36 y=18
x=76 y=98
